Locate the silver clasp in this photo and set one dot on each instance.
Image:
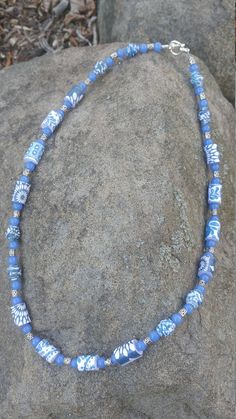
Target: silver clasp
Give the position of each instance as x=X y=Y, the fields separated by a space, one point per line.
x=177 y=48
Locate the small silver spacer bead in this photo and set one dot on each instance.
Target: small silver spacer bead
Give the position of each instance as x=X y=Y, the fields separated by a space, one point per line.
x=12 y=252
x=147 y=340
x=214 y=211
x=26 y=172
x=192 y=59
x=201 y=282
x=16 y=214
x=114 y=55
x=67 y=361
x=183 y=312
x=43 y=137
x=207 y=135
x=150 y=46
x=64 y=108
x=216 y=174
x=108 y=362
x=29 y=336
x=15 y=293
x=211 y=249
x=202 y=96
x=87 y=81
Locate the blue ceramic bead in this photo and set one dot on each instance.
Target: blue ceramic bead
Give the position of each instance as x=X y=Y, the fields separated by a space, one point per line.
x=177 y=318
x=198 y=90
x=212 y=154
x=16 y=300
x=196 y=79
x=13 y=260
x=203 y=103
x=120 y=53
x=87 y=362
x=73 y=363
x=100 y=68
x=194 y=68
x=143 y=48
x=157 y=47
x=200 y=289
x=126 y=353
x=14 y=221
x=189 y=308
x=34 y=152
x=206 y=266
x=165 y=327
x=46 y=350
x=154 y=336
x=212 y=231
x=16 y=206
x=141 y=346
x=101 y=362
x=204 y=116
x=26 y=328
x=14 y=272
x=13 y=233
x=20 y=313
x=35 y=341
x=92 y=76
x=131 y=50
x=16 y=285
x=75 y=95
x=214 y=193
x=30 y=166
x=109 y=61
x=14 y=244
x=51 y=122
x=21 y=191
x=59 y=360
x=195 y=298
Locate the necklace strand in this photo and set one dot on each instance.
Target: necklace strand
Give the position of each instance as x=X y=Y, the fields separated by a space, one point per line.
x=134 y=348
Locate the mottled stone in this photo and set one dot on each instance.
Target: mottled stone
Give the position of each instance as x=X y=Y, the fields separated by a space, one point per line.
x=112 y=234
x=207 y=27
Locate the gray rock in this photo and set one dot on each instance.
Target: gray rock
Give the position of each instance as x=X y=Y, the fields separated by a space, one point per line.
x=112 y=233
x=206 y=27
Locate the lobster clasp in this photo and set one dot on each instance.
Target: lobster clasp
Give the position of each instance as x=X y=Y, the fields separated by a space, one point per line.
x=177 y=48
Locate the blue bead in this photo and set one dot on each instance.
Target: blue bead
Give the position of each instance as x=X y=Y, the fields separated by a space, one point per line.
x=207 y=142
x=198 y=90
x=200 y=288
x=214 y=193
x=205 y=127
x=109 y=61
x=14 y=221
x=59 y=360
x=35 y=341
x=21 y=191
x=101 y=362
x=13 y=260
x=16 y=300
x=212 y=231
x=113 y=360
x=157 y=47
x=195 y=298
x=26 y=328
x=120 y=53
x=193 y=68
x=143 y=48
x=73 y=363
x=177 y=318
x=100 y=68
x=215 y=167
x=34 y=152
x=141 y=345
x=24 y=179
x=131 y=50
x=30 y=166
x=14 y=244
x=51 y=122
x=14 y=272
x=92 y=76
x=13 y=234
x=203 y=103
x=165 y=327
x=189 y=308
x=204 y=116
x=206 y=266
x=16 y=285
x=16 y=206
x=196 y=80
x=154 y=336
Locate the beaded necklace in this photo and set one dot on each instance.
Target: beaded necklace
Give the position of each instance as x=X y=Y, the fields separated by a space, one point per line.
x=134 y=348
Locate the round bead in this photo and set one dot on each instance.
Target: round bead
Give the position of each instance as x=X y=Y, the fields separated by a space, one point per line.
x=73 y=363
x=101 y=362
x=109 y=61
x=14 y=244
x=120 y=53
x=92 y=76
x=13 y=260
x=59 y=360
x=157 y=47
x=35 y=341
x=177 y=318
x=193 y=68
x=143 y=48
x=189 y=308
x=198 y=90
x=16 y=285
x=154 y=336
x=26 y=328
x=203 y=103
x=14 y=221
x=141 y=345
x=200 y=289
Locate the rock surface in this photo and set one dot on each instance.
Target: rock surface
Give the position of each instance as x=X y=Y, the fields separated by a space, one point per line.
x=112 y=233
x=206 y=27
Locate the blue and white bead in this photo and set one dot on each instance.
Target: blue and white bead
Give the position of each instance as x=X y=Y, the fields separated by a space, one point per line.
x=212 y=233
x=13 y=232
x=132 y=50
x=126 y=353
x=75 y=95
x=212 y=154
x=21 y=192
x=87 y=362
x=204 y=116
x=46 y=350
x=20 y=314
x=196 y=79
x=165 y=327
x=100 y=68
x=195 y=298
x=14 y=272
x=214 y=193
x=34 y=152
x=51 y=122
x=206 y=266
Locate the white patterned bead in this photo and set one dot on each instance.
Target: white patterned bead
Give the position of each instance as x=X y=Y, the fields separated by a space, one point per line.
x=87 y=363
x=46 y=350
x=126 y=353
x=212 y=154
x=20 y=314
x=194 y=298
x=51 y=122
x=21 y=192
x=165 y=327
